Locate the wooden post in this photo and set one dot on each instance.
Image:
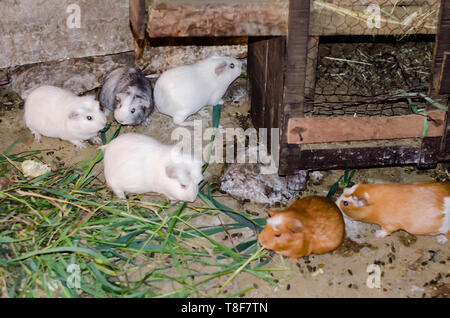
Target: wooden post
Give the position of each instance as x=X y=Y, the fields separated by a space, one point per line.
x=295 y=79
x=439 y=72
x=137 y=23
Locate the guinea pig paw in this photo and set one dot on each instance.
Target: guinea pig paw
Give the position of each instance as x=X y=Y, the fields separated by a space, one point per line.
x=441 y=239
x=381 y=233
x=37 y=136
x=78 y=144
x=96 y=140
x=146 y=122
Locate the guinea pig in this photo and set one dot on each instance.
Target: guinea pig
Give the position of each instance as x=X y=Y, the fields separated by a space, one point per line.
x=139 y=164
x=55 y=112
x=182 y=91
x=128 y=93
x=311 y=225
x=418 y=208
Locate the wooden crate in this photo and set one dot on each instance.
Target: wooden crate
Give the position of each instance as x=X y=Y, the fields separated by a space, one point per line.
x=283 y=41
x=315 y=143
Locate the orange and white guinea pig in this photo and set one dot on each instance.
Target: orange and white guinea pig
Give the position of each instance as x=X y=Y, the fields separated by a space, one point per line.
x=311 y=225
x=418 y=208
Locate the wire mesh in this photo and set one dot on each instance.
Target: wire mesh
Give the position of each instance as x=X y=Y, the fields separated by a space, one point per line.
x=360 y=75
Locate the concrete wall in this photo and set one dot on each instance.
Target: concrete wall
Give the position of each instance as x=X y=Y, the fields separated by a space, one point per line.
x=34 y=31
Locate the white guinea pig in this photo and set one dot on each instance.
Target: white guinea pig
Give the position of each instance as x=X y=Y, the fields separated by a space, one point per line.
x=55 y=112
x=184 y=90
x=138 y=164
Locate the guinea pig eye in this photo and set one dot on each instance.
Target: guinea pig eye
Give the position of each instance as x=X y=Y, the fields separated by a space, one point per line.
x=278 y=235
x=345 y=203
x=133 y=110
x=232 y=65
x=89 y=117
x=183 y=186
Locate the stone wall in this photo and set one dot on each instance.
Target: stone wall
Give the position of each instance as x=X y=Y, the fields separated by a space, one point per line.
x=34 y=31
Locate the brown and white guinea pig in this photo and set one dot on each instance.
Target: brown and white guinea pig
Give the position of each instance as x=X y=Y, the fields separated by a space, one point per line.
x=311 y=225
x=128 y=93
x=418 y=208
x=182 y=91
x=139 y=164
x=55 y=112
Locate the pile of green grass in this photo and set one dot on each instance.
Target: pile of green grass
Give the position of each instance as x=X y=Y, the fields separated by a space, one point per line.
x=66 y=224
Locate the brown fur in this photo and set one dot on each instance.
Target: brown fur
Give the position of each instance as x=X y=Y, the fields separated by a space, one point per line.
x=416 y=208
x=312 y=225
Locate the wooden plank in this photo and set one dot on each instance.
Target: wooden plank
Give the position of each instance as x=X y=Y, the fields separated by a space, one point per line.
x=444 y=78
x=294 y=88
x=218 y=18
x=257 y=77
x=357 y=158
x=336 y=129
x=175 y=18
x=429 y=152
x=441 y=46
x=137 y=18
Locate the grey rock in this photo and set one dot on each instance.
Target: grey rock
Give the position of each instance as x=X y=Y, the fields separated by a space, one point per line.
x=246 y=181
x=79 y=76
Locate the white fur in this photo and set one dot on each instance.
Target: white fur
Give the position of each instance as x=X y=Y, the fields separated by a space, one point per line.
x=275 y=221
x=346 y=195
x=380 y=233
x=446 y=223
x=55 y=112
x=184 y=90
x=139 y=164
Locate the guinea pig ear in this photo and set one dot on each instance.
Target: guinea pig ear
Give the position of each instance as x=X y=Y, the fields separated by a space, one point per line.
x=172 y=172
x=294 y=225
x=220 y=68
x=119 y=98
x=360 y=201
x=74 y=114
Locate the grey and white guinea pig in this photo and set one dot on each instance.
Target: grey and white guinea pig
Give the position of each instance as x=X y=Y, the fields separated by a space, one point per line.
x=182 y=91
x=55 y=112
x=128 y=93
x=139 y=164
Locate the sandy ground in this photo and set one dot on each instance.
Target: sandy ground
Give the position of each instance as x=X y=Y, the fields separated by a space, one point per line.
x=410 y=266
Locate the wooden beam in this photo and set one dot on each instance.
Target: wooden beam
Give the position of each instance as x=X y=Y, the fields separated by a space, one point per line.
x=295 y=76
x=444 y=78
x=217 y=18
x=137 y=18
x=337 y=129
x=187 y=18
x=357 y=158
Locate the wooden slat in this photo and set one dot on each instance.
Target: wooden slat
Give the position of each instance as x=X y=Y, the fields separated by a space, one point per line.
x=366 y=157
x=336 y=129
x=218 y=18
x=444 y=79
x=175 y=18
x=137 y=18
x=442 y=45
x=357 y=158
x=294 y=87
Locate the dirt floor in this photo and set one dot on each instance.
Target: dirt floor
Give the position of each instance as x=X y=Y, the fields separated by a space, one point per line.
x=411 y=266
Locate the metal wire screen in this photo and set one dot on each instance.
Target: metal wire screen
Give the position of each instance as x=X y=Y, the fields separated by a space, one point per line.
x=360 y=75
